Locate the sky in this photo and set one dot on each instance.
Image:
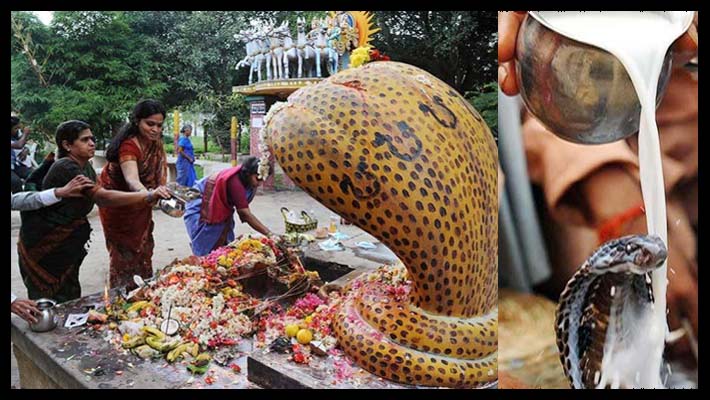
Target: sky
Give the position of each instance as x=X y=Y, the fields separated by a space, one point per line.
x=44 y=16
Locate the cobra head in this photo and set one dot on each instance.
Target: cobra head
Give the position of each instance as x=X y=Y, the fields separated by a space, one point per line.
x=637 y=254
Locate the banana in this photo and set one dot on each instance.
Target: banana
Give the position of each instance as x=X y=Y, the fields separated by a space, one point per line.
x=154 y=332
x=145 y=351
x=138 y=305
x=194 y=350
x=161 y=345
x=133 y=342
x=177 y=352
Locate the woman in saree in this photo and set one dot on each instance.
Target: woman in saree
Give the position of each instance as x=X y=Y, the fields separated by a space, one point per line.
x=185 y=164
x=210 y=219
x=53 y=239
x=136 y=163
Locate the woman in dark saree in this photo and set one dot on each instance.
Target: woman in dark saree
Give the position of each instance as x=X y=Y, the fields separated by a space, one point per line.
x=53 y=240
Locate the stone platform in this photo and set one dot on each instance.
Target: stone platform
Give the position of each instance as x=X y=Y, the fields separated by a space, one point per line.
x=84 y=358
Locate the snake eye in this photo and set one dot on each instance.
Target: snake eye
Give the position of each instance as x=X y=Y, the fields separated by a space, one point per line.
x=629 y=248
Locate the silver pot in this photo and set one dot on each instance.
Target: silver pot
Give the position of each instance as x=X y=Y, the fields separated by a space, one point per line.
x=172 y=207
x=175 y=206
x=47 y=320
x=579 y=92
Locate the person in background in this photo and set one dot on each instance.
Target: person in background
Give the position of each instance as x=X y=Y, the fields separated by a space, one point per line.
x=52 y=242
x=27 y=201
x=186 y=175
x=210 y=219
x=136 y=163
x=18 y=171
x=593 y=193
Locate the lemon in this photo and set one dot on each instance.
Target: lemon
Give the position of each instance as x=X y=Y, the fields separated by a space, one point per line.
x=291 y=330
x=304 y=336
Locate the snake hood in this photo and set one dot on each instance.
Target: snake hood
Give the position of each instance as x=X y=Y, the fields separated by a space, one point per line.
x=629 y=254
x=603 y=307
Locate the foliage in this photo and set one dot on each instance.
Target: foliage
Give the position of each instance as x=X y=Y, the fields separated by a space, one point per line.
x=98 y=64
x=225 y=107
x=458 y=47
x=99 y=70
x=485 y=101
x=244 y=142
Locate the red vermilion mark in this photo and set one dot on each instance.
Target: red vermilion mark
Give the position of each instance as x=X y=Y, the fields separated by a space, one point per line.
x=357 y=85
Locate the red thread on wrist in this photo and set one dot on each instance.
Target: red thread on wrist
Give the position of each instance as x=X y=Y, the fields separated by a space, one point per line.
x=611 y=228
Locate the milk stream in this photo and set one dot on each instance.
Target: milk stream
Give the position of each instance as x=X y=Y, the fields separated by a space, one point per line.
x=639 y=40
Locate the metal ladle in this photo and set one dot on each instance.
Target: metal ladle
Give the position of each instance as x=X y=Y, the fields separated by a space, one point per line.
x=580 y=92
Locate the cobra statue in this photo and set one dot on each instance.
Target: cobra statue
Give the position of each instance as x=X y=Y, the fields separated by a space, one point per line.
x=403 y=156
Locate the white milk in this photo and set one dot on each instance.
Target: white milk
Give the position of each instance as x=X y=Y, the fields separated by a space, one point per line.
x=640 y=41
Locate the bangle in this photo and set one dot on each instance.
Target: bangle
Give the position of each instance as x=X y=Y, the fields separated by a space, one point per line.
x=149 y=197
x=611 y=228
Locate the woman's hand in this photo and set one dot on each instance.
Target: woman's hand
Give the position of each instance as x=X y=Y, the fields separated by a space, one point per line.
x=74 y=187
x=161 y=192
x=508 y=25
x=25 y=309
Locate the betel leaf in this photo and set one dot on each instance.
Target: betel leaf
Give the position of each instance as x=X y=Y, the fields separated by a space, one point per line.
x=198 y=370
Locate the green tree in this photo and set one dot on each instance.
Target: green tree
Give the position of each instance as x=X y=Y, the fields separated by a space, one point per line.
x=225 y=107
x=98 y=69
x=485 y=102
x=458 y=47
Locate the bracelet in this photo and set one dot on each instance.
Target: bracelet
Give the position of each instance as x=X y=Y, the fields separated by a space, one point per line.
x=149 y=197
x=611 y=228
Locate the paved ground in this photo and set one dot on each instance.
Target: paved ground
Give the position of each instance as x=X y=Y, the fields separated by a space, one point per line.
x=171 y=241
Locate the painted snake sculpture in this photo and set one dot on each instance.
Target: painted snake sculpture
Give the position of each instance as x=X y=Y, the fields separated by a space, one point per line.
x=611 y=287
x=403 y=156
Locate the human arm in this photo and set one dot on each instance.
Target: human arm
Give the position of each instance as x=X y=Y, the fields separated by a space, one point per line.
x=129 y=168
x=188 y=158
x=116 y=198
x=245 y=215
x=20 y=143
x=25 y=309
x=27 y=201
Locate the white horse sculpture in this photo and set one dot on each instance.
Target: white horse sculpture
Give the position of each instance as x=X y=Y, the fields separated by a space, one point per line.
x=277 y=49
x=320 y=44
x=305 y=48
x=252 y=59
x=291 y=54
x=260 y=59
x=257 y=49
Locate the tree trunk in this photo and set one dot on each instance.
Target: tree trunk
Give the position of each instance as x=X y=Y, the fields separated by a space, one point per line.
x=27 y=48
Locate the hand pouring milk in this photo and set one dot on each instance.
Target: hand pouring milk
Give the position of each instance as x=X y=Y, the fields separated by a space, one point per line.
x=639 y=39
